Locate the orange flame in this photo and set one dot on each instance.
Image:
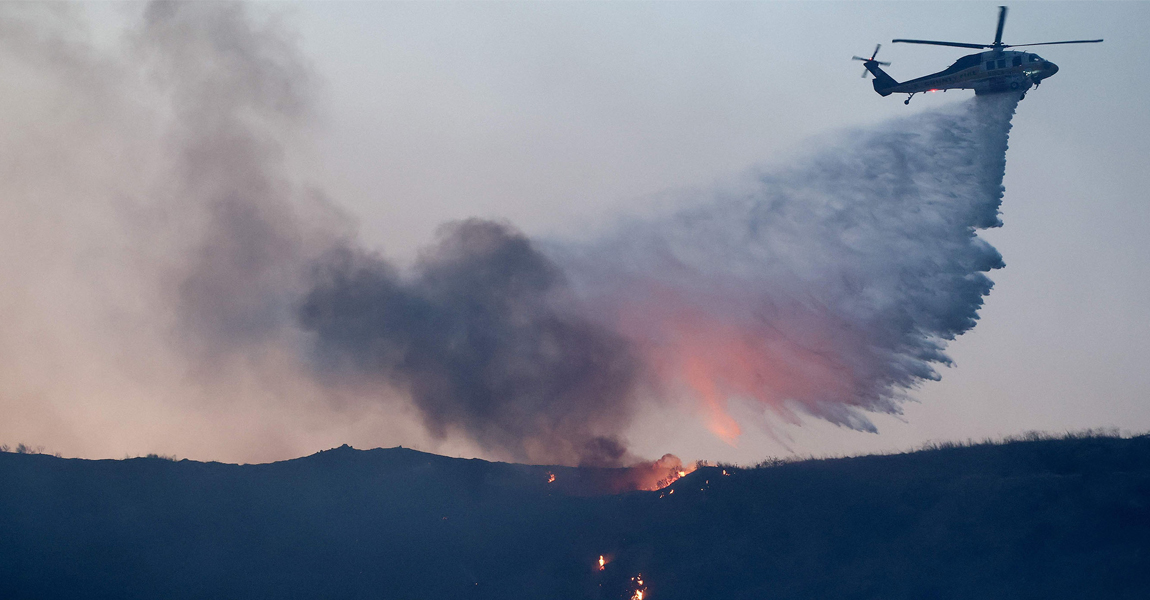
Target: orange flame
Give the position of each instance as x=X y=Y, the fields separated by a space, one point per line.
x=654 y=475
x=550 y=477
x=602 y=562
x=640 y=590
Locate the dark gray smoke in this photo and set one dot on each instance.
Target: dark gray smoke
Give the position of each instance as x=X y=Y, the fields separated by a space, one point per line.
x=483 y=339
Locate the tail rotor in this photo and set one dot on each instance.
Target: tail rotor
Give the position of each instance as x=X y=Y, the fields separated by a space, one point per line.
x=867 y=61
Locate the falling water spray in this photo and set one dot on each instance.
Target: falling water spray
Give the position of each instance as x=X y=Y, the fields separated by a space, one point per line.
x=827 y=288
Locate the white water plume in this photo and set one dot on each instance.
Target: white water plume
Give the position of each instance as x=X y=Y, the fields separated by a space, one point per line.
x=828 y=287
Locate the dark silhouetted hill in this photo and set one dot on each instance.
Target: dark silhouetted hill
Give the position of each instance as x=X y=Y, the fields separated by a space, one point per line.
x=1046 y=518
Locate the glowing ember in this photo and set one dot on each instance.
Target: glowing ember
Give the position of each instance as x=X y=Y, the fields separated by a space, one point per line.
x=550 y=477
x=640 y=590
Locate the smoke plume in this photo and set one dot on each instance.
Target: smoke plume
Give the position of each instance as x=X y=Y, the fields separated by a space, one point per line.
x=171 y=265
x=483 y=340
x=155 y=244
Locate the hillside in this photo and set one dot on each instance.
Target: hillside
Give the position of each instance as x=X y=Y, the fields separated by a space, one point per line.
x=1054 y=518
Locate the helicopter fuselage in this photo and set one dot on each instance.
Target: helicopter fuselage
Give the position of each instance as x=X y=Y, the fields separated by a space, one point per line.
x=990 y=72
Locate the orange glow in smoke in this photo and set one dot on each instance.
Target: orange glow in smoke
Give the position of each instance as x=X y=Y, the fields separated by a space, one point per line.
x=715 y=360
x=700 y=377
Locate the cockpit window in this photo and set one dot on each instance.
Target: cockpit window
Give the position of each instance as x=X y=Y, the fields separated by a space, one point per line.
x=1034 y=58
x=965 y=62
x=1017 y=60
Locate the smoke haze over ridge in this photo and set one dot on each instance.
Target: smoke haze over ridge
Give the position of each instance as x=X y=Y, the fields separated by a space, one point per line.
x=183 y=266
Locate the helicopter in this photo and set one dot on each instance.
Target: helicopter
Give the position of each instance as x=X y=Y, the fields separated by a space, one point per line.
x=995 y=71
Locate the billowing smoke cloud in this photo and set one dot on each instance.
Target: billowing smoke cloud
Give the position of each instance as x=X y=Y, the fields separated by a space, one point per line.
x=484 y=340
x=196 y=275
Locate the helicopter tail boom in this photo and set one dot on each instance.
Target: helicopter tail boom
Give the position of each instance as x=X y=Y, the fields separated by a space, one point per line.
x=882 y=81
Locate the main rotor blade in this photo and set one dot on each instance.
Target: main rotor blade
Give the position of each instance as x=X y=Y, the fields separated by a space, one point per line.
x=933 y=43
x=1052 y=43
x=1001 y=23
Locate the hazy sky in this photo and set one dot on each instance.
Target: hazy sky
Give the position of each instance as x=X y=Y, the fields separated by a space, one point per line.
x=560 y=116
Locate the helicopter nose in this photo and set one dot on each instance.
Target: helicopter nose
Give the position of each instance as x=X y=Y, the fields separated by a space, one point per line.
x=1047 y=69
